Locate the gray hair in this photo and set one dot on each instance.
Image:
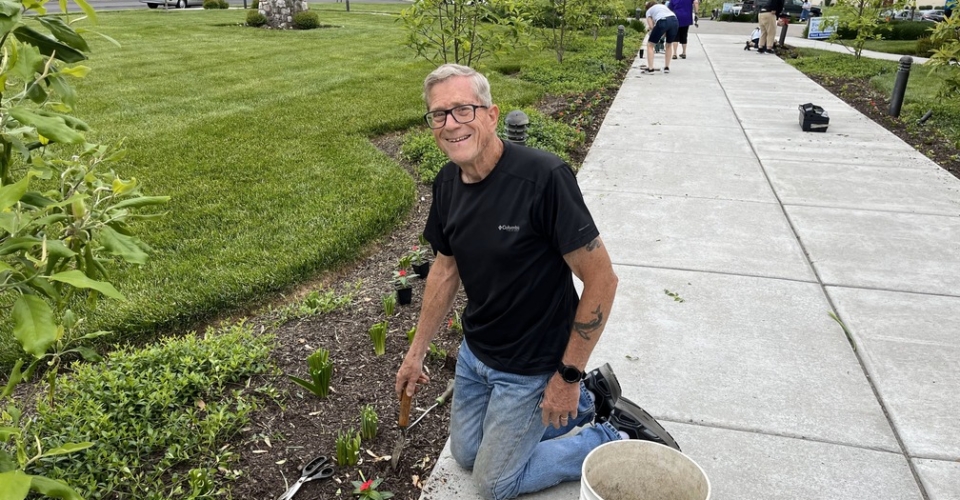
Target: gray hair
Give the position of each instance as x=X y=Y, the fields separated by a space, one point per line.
x=481 y=87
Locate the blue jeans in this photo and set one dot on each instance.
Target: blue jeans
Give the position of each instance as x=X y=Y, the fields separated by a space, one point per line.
x=496 y=430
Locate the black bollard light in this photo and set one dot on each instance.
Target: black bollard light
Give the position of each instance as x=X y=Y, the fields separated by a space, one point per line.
x=516 y=126
x=783 y=32
x=900 y=86
x=620 y=33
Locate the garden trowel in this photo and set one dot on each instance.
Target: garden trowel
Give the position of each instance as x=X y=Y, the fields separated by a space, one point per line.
x=405 y=419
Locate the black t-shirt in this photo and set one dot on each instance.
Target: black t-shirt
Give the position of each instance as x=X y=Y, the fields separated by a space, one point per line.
x=508 y=234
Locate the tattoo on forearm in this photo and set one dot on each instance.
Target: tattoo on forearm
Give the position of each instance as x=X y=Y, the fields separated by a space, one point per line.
x=593 y=245
x=588 y=328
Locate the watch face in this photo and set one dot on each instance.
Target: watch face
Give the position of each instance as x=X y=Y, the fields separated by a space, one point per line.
x=570 y=374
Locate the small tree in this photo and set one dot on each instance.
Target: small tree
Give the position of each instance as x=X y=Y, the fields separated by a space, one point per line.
x=946 y=37
x=463 y=31
x=63 y=213
x=862 y=17
x=564 y=18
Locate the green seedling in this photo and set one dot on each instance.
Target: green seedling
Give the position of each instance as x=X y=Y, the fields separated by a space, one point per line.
x=321 y=369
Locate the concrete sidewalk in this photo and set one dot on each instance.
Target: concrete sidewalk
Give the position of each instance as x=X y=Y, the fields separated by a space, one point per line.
x=704 y=186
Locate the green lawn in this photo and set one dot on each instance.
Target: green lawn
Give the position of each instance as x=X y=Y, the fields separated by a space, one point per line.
x=904 y=47
x=261 y=137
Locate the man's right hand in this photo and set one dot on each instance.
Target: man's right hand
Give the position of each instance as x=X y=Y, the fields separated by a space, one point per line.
x=410 y=374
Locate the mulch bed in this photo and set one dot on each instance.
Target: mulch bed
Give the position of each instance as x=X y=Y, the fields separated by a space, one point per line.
x=284 y=436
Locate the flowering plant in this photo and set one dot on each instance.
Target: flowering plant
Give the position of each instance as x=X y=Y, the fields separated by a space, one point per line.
x=401 y=278
x=418 y=254
x=368 y=489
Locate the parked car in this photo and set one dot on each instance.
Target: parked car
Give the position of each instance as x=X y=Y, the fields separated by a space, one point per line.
x=180 y=4
x=901 y=15
x=935 y=15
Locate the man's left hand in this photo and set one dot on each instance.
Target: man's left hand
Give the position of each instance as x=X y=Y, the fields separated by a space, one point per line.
x=560 y=402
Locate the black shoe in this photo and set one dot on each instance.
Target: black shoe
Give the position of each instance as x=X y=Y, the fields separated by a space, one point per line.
x=605 y=388
x=638 y=424
x=761 y=50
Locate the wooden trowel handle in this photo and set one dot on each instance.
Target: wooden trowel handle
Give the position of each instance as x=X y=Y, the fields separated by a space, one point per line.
x=404 y=410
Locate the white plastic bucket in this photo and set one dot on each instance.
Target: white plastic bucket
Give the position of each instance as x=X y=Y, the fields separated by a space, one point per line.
x=641 y=470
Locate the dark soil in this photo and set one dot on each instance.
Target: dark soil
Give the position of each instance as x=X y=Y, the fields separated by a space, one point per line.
x=286 y=435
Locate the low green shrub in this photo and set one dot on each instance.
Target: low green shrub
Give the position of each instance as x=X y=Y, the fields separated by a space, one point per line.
x=255 y=5
x=306 y=20
x=148 y=410
x=908 y=30
x=256 y=19
x=420 y=149
x=211 y=4
x=638 y=26
x=223 y=4
x=926 y=46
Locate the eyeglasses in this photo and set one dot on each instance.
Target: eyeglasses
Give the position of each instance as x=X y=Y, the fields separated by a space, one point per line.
x=461 y=114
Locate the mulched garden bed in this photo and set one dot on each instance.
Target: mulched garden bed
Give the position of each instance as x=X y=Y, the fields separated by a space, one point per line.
x=286 y=435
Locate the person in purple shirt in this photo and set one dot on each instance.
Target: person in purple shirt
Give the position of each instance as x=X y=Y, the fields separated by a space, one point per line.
x=684 y=9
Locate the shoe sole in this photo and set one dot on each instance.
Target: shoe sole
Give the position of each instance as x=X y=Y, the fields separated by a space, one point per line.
x=611 y=391
x=652 y=430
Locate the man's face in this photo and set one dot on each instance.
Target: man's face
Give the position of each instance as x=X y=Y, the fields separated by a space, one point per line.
x=463 y=143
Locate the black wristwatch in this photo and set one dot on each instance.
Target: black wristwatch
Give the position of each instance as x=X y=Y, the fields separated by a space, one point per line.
x=570 y=374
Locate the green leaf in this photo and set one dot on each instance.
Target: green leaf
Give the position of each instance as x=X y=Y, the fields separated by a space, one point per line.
x=141 y=201
x=11 y=193
x=12 y=245
x=5 y=267
x=53 y=488
x=15 y=378
x=79 y=280
x=75 y=71
x=59 y=249
x=63 y=32
x=48 y=46
x=87 y=9
x=89 y=354
x=51 y=127
x=123 y=246
x=9 y=16
x=14 y=485
x=33 y=325
x=10 y=222
x=67 y=448
x=7 y=432
x=62 y=87
x=306 y=385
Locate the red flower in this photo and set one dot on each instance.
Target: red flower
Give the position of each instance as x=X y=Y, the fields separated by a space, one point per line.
x=403 y=272
x=450 y=322
x=366 y=485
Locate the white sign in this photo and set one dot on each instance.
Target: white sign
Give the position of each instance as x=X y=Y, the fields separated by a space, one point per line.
x=817 y=29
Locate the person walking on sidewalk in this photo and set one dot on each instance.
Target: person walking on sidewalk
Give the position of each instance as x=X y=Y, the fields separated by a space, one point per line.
x=769 y=13
x=805 y=10
x=510 y=224
x=661 y=21
x=684 y=10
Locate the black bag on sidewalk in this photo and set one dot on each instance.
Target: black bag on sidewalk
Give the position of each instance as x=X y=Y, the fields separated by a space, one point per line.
x=813 y=118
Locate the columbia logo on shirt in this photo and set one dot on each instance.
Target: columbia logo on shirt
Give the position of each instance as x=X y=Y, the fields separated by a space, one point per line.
x=509 y=229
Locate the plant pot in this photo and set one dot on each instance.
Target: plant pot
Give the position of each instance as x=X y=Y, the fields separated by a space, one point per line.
x=404 y=295
x=422 y=270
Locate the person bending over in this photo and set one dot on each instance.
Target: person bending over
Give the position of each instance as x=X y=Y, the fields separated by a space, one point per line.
x=660 y=21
